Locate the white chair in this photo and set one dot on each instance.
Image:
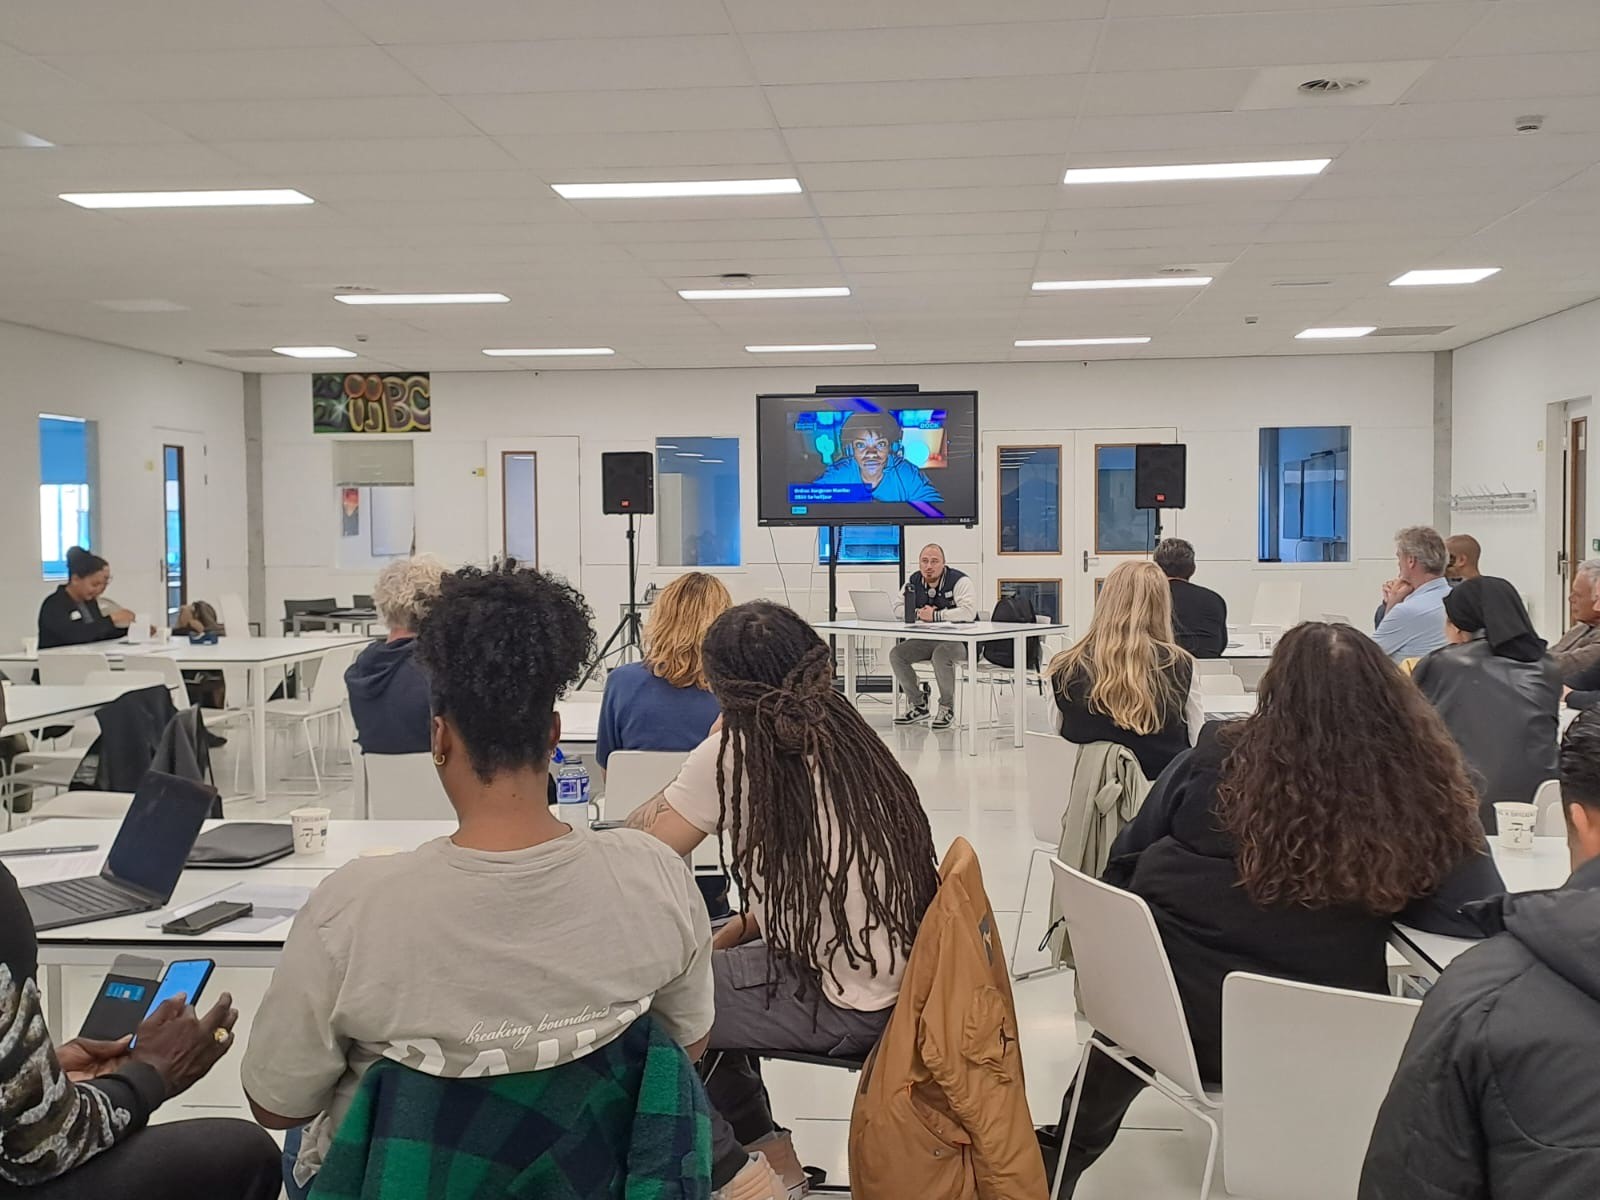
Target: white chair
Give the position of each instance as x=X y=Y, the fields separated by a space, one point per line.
x=1306 y=1069
x=634 y=776
x=319 y=707
x=1050 y=761
x=70 y=669
x=1213 y=666
x=1221 y=685
x=403 y=787
x=1552 y=816
x=1277 y=604
x=1127 y=992
x=235 y=616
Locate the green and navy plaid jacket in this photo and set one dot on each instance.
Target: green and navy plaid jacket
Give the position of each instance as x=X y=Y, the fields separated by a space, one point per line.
x=628 y=1122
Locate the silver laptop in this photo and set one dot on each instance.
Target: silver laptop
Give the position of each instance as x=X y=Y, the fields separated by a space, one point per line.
x=876 y=606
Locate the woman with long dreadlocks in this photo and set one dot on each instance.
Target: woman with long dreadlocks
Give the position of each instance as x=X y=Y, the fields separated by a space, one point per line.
x=834 y=862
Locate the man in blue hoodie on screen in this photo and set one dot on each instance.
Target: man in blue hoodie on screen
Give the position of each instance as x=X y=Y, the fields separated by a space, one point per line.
x=388 y=691
x=874 y=454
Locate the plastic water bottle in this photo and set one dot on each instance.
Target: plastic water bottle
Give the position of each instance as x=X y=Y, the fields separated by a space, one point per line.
x=572 y=791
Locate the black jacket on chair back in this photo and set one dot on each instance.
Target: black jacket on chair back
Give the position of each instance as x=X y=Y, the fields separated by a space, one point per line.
x=1502 y=713
x=1497 y=1093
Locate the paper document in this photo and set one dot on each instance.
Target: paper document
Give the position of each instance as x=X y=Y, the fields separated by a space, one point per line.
x=273 y=906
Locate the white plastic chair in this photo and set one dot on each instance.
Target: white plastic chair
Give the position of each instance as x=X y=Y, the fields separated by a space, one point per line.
x=326 y=703
x=235 y=616
x=1552 y=817
x=70 y=669
x=1050 y=761
x=404 y=787
x=634 y=776
x=1277 y=604
x=1306 y=1069
x=1221 y=685
x=1213 y=666
x=1127 y=992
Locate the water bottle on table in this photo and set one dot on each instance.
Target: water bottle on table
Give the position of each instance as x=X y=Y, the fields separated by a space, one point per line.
x=572 y=790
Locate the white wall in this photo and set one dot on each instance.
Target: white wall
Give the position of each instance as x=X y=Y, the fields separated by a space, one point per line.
x=132 y=396
x=1217 y=406
x=1503 y=388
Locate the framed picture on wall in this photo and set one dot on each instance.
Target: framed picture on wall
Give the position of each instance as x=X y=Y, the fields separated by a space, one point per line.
x=1043 y=594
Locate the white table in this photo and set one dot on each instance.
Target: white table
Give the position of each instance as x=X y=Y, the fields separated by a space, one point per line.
x=1547 y=866
x=970 y=634
x=1228 y=706
x=30 y=709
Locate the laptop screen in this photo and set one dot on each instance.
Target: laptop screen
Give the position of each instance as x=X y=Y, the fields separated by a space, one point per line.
x=157 y=834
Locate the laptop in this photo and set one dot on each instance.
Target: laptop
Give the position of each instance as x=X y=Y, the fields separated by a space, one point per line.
x=145 y=862
x=876 y=606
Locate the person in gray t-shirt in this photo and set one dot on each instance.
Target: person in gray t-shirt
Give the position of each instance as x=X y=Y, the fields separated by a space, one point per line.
x=518 y=943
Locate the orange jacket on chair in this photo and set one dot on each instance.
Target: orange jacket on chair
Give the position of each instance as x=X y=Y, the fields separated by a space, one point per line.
x=941 y=1112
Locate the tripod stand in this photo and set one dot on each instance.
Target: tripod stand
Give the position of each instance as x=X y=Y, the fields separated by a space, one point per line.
x=627 y=636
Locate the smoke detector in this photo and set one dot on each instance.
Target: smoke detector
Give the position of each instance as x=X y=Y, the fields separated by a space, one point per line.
x=1334 y=86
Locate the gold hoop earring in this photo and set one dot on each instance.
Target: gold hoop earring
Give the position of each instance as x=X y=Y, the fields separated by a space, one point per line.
x=438 y=760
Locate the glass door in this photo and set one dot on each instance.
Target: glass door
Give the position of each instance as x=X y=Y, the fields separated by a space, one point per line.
x=1110 y=529
x=175 y=555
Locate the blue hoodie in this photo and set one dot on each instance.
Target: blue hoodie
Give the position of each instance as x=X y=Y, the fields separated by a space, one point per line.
x=389 y=699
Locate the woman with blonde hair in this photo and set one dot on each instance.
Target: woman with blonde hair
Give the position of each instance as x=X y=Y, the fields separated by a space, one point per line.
x=664 y=702
x=388 y=691
x=1127 y=680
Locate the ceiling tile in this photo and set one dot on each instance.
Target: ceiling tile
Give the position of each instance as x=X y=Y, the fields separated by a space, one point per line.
x=1509 y=77
x=597 y=65
x=287 y=159
x=644 y=111
x=968 y=140
x=307 y=72
x=766 y=16
x=920 y=101
x=932 y=173
x=562 y=154
x=1550 y=26
x=951 y=52
x=314 y=120
x=427 y=21
x=46 y=27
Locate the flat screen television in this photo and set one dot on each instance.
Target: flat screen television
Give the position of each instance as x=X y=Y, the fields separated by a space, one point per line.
x=867 y=458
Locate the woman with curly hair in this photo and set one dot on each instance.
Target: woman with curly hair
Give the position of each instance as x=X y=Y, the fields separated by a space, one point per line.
x=665 y=702
x=1287 y=844
x=517 y=943
x=829 y=845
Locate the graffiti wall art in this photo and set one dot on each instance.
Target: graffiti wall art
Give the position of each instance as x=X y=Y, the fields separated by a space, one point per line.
x=358 y=402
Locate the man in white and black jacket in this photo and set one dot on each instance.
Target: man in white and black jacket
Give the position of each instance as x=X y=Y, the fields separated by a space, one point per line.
x=937 y=592
x=73 y=1116
x=1496 y=1096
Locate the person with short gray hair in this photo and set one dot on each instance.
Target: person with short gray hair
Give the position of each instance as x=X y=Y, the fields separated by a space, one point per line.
x=1413 y=602
x=388 y=692
x=1579 y=648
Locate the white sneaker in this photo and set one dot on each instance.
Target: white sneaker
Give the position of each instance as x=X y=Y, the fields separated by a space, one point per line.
x=756 y=1181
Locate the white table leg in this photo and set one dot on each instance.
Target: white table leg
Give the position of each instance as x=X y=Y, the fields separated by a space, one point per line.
x=1019 y=687
x=972 y=696
x=850 y=668
x=258 y=729
x=54 y=1002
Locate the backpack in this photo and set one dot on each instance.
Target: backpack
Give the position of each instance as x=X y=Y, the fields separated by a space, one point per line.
x=1018 y=609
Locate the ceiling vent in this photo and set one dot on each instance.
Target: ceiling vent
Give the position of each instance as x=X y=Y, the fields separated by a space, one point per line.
x=1408 y=331
x=1334 y=87
x=1302 y=283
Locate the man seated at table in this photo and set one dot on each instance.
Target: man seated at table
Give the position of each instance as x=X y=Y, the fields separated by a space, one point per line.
x=938 y=593
x=516 y=944
x=1496 y=1094
x=1199 y=615
x=1465 y=554
x=1579 y=648
x=1412 y=622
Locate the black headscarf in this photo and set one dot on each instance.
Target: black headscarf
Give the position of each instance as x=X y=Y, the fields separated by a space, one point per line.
x=1492 y=607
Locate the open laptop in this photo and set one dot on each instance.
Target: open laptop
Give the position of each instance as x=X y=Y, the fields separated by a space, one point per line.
x=144 y=864
x=876 y=606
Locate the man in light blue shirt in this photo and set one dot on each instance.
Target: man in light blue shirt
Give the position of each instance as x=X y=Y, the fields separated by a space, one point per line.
x=1413 y=618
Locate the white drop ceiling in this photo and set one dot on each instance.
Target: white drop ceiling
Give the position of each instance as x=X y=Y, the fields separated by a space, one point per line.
x=930 y=136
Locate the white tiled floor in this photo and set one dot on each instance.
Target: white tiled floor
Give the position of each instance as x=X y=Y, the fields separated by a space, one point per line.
x=1160 y=1153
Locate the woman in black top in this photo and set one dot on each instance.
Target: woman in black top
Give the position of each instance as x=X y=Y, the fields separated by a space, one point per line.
x=70 y=615
x=1497 y=690
x=1127 y=681
x=1287 y=844
x=72 y=1116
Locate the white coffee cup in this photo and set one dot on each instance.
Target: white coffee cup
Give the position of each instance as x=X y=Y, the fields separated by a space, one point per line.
x=30 y=646
x=1516 y=823
x=310 y=829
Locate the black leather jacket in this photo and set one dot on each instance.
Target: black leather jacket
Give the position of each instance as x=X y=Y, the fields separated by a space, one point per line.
x=1502 y=713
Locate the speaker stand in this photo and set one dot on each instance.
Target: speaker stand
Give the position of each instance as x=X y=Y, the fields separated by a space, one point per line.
x=627 y=636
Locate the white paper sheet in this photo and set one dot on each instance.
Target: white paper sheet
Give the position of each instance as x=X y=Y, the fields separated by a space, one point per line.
x=273 y=906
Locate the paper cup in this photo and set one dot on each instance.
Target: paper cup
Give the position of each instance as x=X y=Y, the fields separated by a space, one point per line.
x=310 y=829
x=1516 y=823
x=30 y=646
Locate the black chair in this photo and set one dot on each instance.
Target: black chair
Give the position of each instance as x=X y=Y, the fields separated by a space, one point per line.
x=361 y=602
x=306 y=608
x=819 y=1177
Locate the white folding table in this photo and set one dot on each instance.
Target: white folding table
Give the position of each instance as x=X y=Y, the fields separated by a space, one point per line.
x=1546 y=866
x=30 y=709
x=970 y=634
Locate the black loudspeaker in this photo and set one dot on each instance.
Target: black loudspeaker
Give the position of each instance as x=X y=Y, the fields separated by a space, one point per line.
x=1160 y=475
x=628 y=482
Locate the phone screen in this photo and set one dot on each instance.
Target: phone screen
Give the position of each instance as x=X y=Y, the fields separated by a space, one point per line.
x=187 y=976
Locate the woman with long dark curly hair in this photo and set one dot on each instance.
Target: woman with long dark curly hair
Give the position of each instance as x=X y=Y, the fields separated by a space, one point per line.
x=1287 y=844
x=831 y=850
